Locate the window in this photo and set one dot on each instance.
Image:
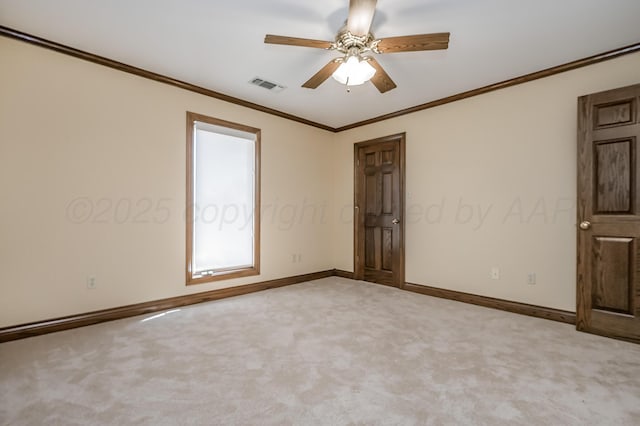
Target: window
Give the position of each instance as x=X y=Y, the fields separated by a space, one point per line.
x=223 y=199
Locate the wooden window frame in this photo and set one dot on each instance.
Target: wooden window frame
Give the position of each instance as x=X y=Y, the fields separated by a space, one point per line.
x=192 y=117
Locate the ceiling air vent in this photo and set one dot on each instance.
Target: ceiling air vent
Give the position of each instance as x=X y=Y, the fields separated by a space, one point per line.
x=269 y=85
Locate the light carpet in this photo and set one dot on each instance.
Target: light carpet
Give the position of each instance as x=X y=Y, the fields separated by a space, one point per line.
x=327 y=352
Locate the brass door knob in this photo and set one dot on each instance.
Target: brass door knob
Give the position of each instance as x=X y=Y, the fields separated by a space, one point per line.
x=585 y=225
x=395 y=221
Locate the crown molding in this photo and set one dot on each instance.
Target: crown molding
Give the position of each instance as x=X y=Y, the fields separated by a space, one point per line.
x=61 y=48
x=101 y=60
x=632 y=48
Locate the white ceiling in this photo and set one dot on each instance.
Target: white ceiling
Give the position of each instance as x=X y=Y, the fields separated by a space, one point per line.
x=219 y=44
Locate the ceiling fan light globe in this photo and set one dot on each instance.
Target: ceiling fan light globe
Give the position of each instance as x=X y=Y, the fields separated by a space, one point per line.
x=354 y=72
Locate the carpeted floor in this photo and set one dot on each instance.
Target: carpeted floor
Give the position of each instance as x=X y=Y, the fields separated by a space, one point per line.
x=327 y=352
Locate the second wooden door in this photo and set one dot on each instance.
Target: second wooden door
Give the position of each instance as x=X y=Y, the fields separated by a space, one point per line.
x=379 y=210
x=609 y=214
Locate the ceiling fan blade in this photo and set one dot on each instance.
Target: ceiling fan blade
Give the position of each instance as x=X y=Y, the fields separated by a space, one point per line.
x=360 y=16
x=412 y=43
x=381 y=79
x=322 y=75
x=294 y=41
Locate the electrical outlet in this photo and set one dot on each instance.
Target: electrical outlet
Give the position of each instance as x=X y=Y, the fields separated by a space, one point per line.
x=531 y=278
x=495 y=273
x=91 y=282
x=299 y=257
x=294 y=258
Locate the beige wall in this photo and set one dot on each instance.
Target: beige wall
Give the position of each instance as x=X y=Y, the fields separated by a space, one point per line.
x=491 y=181
x=70 y=129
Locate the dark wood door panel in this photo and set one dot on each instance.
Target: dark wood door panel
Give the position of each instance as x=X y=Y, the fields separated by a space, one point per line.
x=608 y=288
x=372 y=201
x=387 y=249
x=620 y=112
x=613 y=269
x=387 y=193
x=614 y=176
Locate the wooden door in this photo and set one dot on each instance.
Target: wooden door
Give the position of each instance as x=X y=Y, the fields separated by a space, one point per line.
x=608 y=296
x=379 y=210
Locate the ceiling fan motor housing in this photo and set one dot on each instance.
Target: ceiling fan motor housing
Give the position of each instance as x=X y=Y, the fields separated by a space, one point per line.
x=353 y=45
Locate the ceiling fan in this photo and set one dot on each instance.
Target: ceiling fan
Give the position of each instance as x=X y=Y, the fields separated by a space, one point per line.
x=353 y=41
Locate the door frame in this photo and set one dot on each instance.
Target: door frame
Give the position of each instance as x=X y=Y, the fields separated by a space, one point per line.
x=358 y=258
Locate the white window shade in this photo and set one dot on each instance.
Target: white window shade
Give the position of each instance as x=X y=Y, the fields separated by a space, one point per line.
x=224 y=194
